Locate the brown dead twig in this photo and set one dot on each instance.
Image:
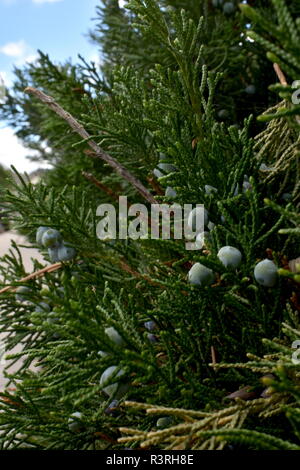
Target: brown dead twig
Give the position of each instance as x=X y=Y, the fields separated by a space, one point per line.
x=96 y=182
x=35 y=275
x=280 y=74
x=99 y=152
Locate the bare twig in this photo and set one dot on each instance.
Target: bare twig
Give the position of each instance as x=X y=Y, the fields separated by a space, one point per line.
x=155 y=186
x=213 y=356
x=96 y=182
x=99 y=152
x=35 y=275
x=280 y=74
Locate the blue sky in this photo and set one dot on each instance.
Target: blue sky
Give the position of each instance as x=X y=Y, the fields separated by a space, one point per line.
x=57 y=27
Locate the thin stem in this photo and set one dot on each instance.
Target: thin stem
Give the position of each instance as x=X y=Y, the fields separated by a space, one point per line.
x=96 y=182
x=36 y=274
x=99 y=152
x=280 y=74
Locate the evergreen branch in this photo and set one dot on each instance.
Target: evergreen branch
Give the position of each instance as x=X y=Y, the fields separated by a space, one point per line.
x=99 y=152
x=131 y=304
x=227 y=420
x=263 y=440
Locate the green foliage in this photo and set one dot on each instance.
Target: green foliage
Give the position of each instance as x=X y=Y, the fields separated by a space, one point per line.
x=169 y=69
x=281 y=41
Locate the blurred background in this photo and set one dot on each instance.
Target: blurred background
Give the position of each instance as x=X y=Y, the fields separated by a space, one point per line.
x=58 y=27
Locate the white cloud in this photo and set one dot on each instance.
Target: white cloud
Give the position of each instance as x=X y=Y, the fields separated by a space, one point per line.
x=12 y=152
x=95 y=57
x=19 y=51
x=7 y=78
x=14 y=49
x=26 y=59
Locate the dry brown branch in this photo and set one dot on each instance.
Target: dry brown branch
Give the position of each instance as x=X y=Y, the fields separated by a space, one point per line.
x=99 y=152
x=213 y=356
x=157 y=188
x=96 y=182
x=280 y=74
x=35 y=275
